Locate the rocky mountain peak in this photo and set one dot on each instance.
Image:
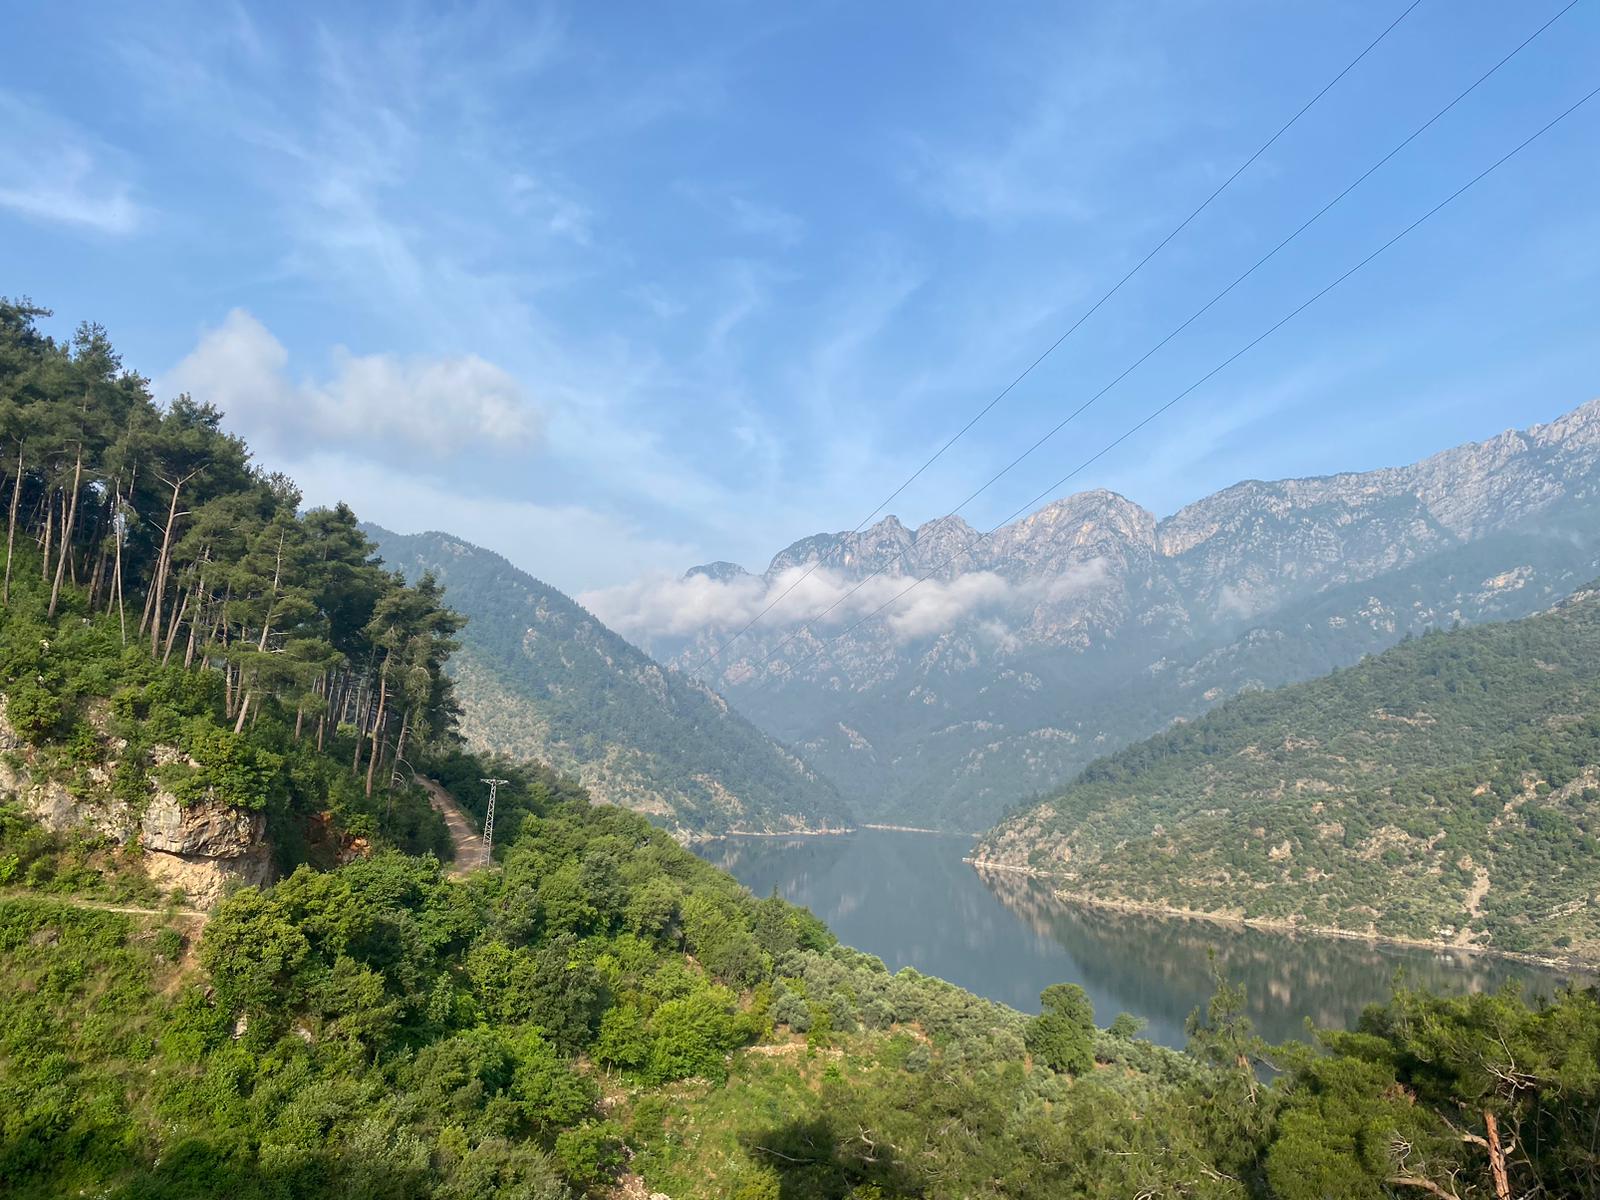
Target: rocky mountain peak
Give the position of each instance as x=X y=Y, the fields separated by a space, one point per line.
x=883 y=546
x=1097 y=524
x=717 y=572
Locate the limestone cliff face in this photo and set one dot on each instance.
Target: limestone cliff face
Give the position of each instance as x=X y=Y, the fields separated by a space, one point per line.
x=1090 y=623
x=204 y=849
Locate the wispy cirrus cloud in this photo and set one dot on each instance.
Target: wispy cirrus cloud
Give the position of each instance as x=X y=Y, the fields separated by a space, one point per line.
x=1078 y=109
x=52 y=170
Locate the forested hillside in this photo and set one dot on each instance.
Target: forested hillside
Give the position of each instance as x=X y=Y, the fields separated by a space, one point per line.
x=538 y=677
x=189 y=662
x=607 y=1016
x=1447 y=789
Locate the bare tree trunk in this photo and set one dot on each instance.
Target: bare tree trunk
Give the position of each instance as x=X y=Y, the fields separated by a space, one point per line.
x=299 y=719
x=98 y=573
x=49 y=518
x=11 y=528
x=395 y=778
x=164 y=559
x=194 y=625
x=149 y=599
x=172 y=627
x=266 y=620
x=244 y=707
x=122 y=608
x=1497 y=1157
x=377 y=724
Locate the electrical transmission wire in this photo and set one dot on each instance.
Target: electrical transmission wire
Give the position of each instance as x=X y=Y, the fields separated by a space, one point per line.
x=1073 y=328
x=1194 y=316
x=1237 y=354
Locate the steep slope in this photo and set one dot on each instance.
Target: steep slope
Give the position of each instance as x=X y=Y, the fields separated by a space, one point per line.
x=1447 y=789
x=538 y=677
x=1090 y=623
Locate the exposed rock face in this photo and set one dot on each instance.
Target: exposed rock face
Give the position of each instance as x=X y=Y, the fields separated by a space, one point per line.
x=204 y=830
x=205 y=880
x=205 y=849
x=1091 y=623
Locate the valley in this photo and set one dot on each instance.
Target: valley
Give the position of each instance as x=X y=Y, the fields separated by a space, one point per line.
x=455 y=745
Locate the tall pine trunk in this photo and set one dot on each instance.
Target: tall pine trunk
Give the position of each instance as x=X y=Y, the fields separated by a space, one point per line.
x=49 y=529
x=11 y=527
x=67 y=530
x=163 y=561
x=377 y=724
x=172 y=627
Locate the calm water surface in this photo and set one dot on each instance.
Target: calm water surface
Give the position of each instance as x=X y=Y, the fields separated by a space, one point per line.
x=909 y=899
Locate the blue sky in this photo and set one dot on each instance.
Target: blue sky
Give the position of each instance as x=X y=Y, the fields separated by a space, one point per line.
x=614 y=289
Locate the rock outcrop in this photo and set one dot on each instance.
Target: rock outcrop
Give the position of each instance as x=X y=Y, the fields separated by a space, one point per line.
x=205 y=849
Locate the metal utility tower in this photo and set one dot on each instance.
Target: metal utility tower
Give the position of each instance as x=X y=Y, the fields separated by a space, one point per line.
x=488 y=818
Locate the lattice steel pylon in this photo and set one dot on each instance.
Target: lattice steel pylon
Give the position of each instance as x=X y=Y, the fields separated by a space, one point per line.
x=488 y=818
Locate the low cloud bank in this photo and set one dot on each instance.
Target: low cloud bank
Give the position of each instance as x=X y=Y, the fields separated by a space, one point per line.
x=662 y=606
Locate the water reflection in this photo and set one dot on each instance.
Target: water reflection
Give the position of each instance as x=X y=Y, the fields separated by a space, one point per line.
x=909 y=899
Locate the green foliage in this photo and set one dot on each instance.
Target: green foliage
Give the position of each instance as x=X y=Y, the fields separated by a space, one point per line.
x=1062 y=1035
x=34 y=712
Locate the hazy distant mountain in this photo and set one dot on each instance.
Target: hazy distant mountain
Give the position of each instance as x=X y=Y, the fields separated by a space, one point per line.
x=1091 y=623
x=539 y=677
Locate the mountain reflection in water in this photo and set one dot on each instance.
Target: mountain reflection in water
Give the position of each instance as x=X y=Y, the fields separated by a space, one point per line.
x=909 y=899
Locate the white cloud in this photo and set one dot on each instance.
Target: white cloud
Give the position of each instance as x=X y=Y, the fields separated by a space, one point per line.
x=51 y=171
x=661 y=605
x=563 y=544
x=442 y=404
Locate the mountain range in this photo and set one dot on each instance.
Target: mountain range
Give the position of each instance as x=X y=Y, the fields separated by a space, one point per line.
x=1091 y=623
x=538 y=677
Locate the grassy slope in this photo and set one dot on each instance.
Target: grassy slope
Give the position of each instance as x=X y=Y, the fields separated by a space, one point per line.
x=541 y=678
x=1445 y=789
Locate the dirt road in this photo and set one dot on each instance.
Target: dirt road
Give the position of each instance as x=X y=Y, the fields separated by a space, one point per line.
x=463 y=830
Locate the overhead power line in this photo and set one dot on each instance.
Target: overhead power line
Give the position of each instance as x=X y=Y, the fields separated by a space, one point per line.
x=1073 y=328
x=1194 y=316
x=1237 y=354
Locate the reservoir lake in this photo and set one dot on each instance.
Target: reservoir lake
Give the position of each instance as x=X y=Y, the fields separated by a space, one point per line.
x=910 y=899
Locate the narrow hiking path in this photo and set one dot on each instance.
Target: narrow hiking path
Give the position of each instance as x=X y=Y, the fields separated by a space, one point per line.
x=463 y=831
x=131 y=910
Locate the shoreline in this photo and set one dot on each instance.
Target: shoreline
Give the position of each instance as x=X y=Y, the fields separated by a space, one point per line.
x=1279 y=926
x=919 y=829
x=690 y=838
